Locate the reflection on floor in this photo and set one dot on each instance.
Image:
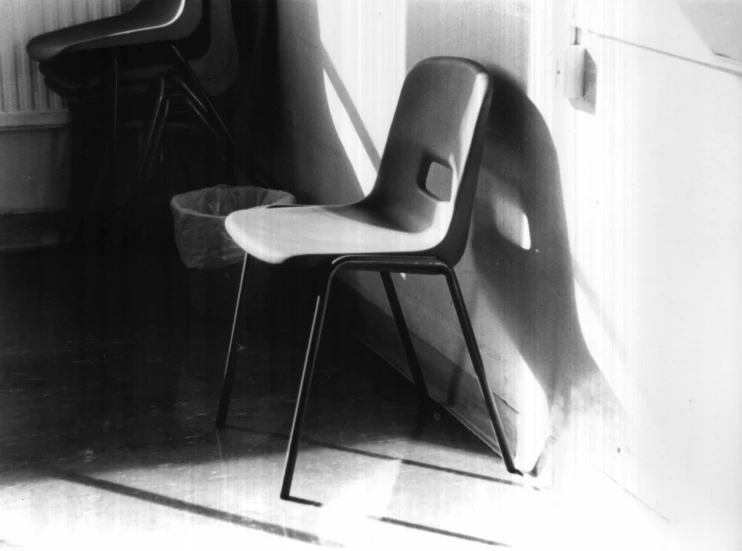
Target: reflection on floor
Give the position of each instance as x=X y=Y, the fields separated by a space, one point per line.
x=110 y=366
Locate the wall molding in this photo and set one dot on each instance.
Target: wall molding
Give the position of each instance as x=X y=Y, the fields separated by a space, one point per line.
x=23 y=120
x=30 y=231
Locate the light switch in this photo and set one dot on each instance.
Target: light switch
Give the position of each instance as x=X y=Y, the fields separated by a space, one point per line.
x=574 y=71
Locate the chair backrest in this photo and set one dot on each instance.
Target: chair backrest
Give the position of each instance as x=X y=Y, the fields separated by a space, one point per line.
x=440 y=118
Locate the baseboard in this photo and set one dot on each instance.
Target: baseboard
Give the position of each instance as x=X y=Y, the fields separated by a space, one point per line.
x=24 y=120
x=27 y=231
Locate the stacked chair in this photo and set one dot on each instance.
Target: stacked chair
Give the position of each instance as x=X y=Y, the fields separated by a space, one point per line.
x=140 y=65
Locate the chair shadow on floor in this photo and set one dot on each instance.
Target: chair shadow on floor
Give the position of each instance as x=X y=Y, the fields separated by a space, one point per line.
x=192 y=508
x=265 y=527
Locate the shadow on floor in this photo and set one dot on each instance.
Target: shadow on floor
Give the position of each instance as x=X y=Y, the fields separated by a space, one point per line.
x=105 y=363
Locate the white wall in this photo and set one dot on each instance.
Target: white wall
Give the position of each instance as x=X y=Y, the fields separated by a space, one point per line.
x=652 y=171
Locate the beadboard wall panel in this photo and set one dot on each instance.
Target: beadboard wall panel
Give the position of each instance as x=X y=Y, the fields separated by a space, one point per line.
x=24 y=99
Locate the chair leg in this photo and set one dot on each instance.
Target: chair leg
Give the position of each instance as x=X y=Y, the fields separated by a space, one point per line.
x=202 y=117
x=198 y=93
x=154 y=146
x=205 y=112
x=315 y=333
x=404 y=336
x=147 y=153
x=142 y=210
x=203 y=98
x=151 y=127
x=229 y=369
x=478 y=364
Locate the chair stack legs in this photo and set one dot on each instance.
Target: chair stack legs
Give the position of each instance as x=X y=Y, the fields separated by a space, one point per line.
x=148 y=151
x=315 y=333
x=229 y=368
x=158 y=119
x=170 y=85
x=201 y=97
x=136 y=204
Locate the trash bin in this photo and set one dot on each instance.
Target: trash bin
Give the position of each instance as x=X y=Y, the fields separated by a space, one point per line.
x=202 y=239
x=213 y=258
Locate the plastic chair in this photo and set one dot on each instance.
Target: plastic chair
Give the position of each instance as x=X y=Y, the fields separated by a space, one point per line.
x=65 y=56
x=399 y=227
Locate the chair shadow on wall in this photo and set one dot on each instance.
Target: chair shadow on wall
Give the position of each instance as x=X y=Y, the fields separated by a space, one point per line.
x=260 y=107
x=532 y=288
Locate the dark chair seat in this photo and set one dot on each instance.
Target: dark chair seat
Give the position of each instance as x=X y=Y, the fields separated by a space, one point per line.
x=147 y=22
x=79 y=75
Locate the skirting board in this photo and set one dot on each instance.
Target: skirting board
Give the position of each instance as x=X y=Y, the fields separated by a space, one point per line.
x=448 y=384
x=30 y=231
x=33 y=119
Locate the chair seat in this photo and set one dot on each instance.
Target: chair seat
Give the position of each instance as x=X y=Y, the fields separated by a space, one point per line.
x=277 y=235
x=68 y=58
x=71 y=74
x=157 y=21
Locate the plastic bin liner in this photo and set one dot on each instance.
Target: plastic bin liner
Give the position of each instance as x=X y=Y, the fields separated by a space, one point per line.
x=199 y=216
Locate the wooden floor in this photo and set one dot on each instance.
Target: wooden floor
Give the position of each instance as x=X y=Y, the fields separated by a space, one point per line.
x=110 y=366
x=111 y=359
